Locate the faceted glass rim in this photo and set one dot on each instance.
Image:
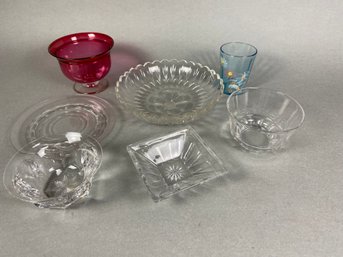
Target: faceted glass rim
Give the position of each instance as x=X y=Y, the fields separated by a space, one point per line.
x=239 y=56
x=240 y=91
x=7 y=172
x=52 y=48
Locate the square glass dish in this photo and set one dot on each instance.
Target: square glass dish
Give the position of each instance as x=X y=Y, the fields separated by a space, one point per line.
x=174 y=162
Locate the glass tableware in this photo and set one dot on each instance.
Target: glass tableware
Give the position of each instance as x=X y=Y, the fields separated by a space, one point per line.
x=236 y=59
x=89 y=115
x=263 y=119
x=54 y=173
x=174 y=162
x=169 y=92
x=84 y=58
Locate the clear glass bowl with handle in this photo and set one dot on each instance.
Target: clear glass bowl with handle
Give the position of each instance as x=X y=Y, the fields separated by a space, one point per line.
x=53 y=173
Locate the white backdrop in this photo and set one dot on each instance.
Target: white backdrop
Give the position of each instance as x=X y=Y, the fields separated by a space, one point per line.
x=288 y=204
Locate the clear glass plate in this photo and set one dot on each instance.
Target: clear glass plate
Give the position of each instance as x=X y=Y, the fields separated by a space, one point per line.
x=88 y=115
x=174 y=162
x=169 y=92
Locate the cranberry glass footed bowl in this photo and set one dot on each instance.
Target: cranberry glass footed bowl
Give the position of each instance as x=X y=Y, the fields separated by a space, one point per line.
x=169 y=92
x=53 y=173
x=85 y=59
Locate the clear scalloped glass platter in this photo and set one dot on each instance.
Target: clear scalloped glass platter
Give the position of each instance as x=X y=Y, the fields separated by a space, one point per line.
x=169 y=92
x=174 y=162
x=88 y=115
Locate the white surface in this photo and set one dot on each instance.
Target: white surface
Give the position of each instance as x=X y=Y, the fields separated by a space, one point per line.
x=284 y=205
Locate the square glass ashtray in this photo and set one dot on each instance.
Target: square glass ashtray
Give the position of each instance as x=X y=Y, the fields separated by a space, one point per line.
x=174 y=162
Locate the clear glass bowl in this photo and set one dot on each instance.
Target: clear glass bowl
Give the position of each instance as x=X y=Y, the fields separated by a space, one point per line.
x=263 y=119
x=174 y=162
x=53 y=173
x=169 y=92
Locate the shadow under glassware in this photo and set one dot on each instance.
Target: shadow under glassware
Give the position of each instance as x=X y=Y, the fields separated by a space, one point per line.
x=118 y=179
x=236 y=59
x=85 y=59
x=208 y=58
x=266 y=68
x=123 y=57
x=54 y=173
x=262 y=119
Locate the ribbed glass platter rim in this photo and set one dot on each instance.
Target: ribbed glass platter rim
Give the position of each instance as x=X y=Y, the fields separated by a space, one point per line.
x=169 y=61
x=130 y=109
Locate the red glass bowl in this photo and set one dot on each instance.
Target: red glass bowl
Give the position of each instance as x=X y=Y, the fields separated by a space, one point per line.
x=85 y=59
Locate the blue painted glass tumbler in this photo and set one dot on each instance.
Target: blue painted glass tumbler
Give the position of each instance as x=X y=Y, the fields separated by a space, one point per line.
x=236 y=59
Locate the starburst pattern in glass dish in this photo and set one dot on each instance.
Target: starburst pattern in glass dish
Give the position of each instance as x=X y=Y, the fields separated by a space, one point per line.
x=174 y=162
